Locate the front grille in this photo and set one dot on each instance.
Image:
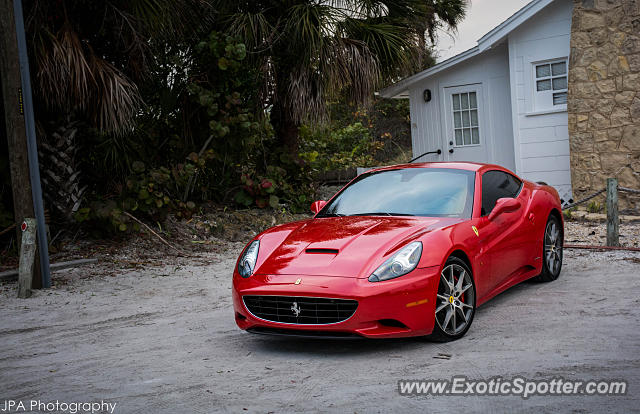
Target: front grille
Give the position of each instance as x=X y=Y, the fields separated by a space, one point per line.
x=310 y=311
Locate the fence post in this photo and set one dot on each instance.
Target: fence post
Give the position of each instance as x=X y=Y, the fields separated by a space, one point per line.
x=27 y=257
x=612 y=212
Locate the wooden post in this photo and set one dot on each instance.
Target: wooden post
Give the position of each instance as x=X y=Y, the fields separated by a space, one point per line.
x=27 y=257
x=15 y=127
x=612 y=213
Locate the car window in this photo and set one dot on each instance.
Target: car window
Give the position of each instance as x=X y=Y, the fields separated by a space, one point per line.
x=434 y=192
x=495 y=185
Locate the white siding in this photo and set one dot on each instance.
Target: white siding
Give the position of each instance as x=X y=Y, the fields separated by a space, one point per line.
x=491 y=69
x=541 y=138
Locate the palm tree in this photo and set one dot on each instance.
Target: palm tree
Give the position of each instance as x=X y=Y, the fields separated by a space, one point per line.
x=87 y=58
x=312 y=50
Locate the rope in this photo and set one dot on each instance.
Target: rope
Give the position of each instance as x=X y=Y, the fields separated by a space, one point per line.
x=584 y=200
x=597 y=193
x=628 y=190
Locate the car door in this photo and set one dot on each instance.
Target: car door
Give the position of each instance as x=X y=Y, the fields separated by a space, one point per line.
x=503 y=237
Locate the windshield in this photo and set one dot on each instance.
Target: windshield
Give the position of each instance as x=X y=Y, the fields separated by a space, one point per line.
x=433 y=192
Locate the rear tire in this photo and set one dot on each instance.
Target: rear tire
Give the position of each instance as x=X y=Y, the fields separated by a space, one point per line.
x=552 y=243
x=455 y=301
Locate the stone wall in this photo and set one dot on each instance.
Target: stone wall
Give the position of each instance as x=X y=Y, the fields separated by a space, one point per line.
x=604 y=97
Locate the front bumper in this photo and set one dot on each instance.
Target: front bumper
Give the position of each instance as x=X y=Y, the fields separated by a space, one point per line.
x=395 y=308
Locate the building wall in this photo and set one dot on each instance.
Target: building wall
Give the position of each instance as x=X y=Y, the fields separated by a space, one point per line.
x=604 y=97
x=491 y=69
x=541 y=135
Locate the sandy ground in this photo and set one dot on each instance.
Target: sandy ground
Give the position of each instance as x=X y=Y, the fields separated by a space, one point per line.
x=163 y=340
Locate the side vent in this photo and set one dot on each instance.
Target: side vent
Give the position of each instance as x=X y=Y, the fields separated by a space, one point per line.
x=322 y=251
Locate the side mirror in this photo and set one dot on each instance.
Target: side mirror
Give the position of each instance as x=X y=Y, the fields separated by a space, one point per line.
x=317 y=206
x=504 y=205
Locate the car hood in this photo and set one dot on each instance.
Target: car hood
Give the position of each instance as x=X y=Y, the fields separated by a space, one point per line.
x=340 y=246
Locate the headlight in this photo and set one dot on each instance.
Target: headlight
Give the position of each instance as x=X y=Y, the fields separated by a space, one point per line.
x=247 y=261
x=401 y=263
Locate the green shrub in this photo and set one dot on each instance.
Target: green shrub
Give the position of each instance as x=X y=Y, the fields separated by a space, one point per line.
x=350 y=146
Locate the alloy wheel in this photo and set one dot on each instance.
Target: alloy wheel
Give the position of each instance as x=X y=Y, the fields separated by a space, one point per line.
x=456 y=299
x=553 y=247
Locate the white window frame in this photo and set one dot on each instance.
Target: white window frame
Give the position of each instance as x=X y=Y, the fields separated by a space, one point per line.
x=543 y=100
x=471 y=126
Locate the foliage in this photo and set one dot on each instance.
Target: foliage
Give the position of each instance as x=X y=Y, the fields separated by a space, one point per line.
x=568 y=214
x=312 y=52
x=594 y=207
x=287 y=185
x=89 y=56
x=149 y=194
x=357 y=136
x=352 y=146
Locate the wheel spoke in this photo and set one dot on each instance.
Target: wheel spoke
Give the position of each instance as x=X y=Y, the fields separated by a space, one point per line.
x=441 y=307
x=455 y=321
x=451 y=280
x=465 y=288
x=447 y=319
x=464 y=315
x=446 y=282
x=460 y=280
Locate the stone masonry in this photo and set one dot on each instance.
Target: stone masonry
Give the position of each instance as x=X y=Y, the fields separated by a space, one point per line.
x=604 y=97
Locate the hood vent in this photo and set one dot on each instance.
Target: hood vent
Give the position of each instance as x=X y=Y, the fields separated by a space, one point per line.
x=322 y=251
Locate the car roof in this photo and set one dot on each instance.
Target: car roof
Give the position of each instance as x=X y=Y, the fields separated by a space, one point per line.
x=457 y=165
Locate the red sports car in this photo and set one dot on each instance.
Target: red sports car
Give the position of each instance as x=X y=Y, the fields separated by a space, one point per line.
x=406 y=250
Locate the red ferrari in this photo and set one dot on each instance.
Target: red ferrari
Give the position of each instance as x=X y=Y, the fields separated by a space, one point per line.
x=406 y=250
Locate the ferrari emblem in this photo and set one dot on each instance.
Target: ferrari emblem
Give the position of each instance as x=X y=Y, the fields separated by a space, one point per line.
x=295 y=309
x=450 y=299
x=475 y=230
x=297 y=282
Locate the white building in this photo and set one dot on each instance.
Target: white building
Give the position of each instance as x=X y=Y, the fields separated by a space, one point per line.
x=503 y=102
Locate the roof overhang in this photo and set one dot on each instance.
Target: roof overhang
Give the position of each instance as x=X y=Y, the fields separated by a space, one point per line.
x=494 y=37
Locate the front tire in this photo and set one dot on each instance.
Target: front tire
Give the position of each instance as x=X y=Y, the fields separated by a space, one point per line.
x=455 y=301
x=551 y=250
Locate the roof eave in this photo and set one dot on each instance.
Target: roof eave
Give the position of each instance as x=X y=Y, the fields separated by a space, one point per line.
x=398 y=88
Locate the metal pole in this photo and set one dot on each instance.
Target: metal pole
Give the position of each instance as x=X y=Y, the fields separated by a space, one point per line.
x=612 y=213
x=32 y=145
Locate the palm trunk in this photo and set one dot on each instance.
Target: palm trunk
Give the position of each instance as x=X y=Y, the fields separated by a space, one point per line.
x=286 y=129
x=61 y=175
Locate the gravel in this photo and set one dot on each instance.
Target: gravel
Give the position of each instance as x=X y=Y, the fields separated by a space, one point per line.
x=162 y=339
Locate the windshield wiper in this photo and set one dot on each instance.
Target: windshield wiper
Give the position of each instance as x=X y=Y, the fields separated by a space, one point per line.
x=381 y=213
x=332 y=215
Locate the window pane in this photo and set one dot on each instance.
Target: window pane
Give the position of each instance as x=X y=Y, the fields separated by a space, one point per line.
x=456 y=101
x=559 y=83
x=457 y=120
x=560 y=98
x=542 y=71
x=465 y=118
x=474 y=117
x=458 y=137
x=467 y=136
x=464 y=101
x=544 y=85
x=473 y=103
x=475 y=136
x=559 y=68
x=495 y=185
